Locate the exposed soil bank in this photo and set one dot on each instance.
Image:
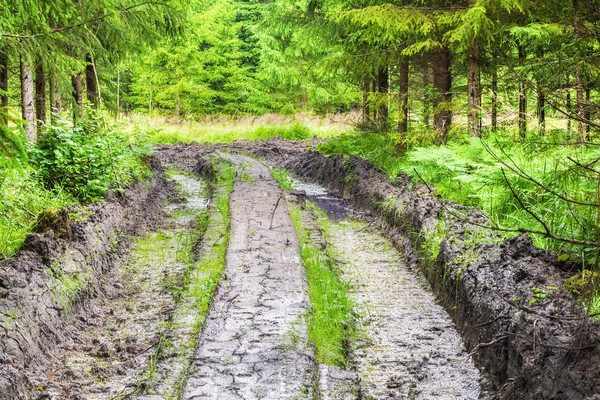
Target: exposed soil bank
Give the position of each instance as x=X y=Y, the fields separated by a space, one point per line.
x=523 y=328
x=49 y=290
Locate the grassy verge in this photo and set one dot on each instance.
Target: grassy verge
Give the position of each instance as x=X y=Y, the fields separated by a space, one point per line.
x=331 y=323
x=226 y=130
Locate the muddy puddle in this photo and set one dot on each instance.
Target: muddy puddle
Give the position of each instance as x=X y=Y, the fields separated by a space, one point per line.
x=335 y=207
x=140 y=338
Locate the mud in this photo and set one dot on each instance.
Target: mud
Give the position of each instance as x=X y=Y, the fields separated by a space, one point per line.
x=406 y=346
x=529 y=347
x=49 y=290
x=252 y=346
x=527 y=334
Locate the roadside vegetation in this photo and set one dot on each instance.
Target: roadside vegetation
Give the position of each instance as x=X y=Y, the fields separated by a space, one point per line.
x=68 y=166
x=331 y=324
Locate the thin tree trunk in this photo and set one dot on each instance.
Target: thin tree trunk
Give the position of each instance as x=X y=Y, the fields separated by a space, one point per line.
x=569 y=107
x=27 y=100
x=473 y=89
x=118 y=92
x=442 y=81
x=40 y=93
x=55 y=97
x=494 y=97
x=4 y=80
x=426 y=98
x=76 y=82
x=541 y=111
x=383 y=87
x=588 y=111
x=90 y=81
x=403 y=96
x=522 y=99
x=578 y=79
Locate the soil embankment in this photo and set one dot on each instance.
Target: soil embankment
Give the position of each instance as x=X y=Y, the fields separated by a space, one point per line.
x=531 y=346
x=49 y=290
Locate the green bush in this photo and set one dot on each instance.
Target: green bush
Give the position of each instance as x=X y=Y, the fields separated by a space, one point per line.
x=88 y=160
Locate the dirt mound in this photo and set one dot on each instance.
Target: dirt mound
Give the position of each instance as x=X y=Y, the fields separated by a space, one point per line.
x=528 y=333
x=274 y=150
x=48 y=289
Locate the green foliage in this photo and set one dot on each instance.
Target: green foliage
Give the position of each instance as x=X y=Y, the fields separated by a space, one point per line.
x=22 y=199
x=88 y=160
x=469 y=171
x=331 y=321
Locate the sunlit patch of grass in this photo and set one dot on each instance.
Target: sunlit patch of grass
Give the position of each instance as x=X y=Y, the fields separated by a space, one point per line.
x=226 y=130
x=331 y=322
x=22 y=198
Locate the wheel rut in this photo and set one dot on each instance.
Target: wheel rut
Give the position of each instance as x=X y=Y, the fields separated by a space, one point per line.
x=252 y=345
x=406 y=346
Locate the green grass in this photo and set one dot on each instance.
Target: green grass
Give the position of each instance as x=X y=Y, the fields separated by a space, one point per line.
x=466 y=172
x=331 y=323
x=22 y=198
x=282 y=176
x=226 y=130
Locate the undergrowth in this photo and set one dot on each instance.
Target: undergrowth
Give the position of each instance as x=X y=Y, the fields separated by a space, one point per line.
x=67 y=166
x=472 y=171
x=331 y=322
x=229 y=130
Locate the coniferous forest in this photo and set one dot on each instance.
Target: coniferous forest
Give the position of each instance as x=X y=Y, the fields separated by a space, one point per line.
x=492 y=103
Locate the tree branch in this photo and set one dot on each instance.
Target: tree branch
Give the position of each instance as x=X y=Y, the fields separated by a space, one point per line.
x=99 y=18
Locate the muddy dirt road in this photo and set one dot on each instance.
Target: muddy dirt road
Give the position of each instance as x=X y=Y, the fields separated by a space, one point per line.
x=212 y=300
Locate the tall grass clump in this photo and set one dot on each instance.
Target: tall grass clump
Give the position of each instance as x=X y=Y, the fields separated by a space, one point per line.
x=331 y=322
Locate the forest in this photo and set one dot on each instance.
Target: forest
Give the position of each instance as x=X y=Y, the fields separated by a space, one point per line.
x=491 y=103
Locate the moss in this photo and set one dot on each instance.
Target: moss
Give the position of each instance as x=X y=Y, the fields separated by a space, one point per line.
x=583 y=283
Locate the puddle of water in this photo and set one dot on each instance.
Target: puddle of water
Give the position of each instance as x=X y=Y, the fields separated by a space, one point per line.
x=335 y=207
x=194 y=191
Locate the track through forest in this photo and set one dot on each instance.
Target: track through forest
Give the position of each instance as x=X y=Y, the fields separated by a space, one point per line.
x=196 y=286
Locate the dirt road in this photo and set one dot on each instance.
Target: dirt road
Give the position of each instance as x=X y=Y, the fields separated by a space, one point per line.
x=252 y=343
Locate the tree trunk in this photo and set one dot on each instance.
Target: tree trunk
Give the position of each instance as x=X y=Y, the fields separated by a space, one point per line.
x=578 y=79
x=426 y=98
x=3 y=80
x=365 y=102
x=77 y=83
x=90 y=81
x=522 y=100
x=541 y=111
x=40 y=93
x=473 y=89
x=494 y=97
x=588 y=109
x=27 y=100
x=403 y=97
x=569 y=105
x=55 y=97
x=442 y=81
x=383 y=87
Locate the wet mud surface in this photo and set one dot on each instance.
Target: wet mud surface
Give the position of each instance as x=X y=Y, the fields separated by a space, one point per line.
x=247 y=350
x=407 y=346
x=113 y=307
